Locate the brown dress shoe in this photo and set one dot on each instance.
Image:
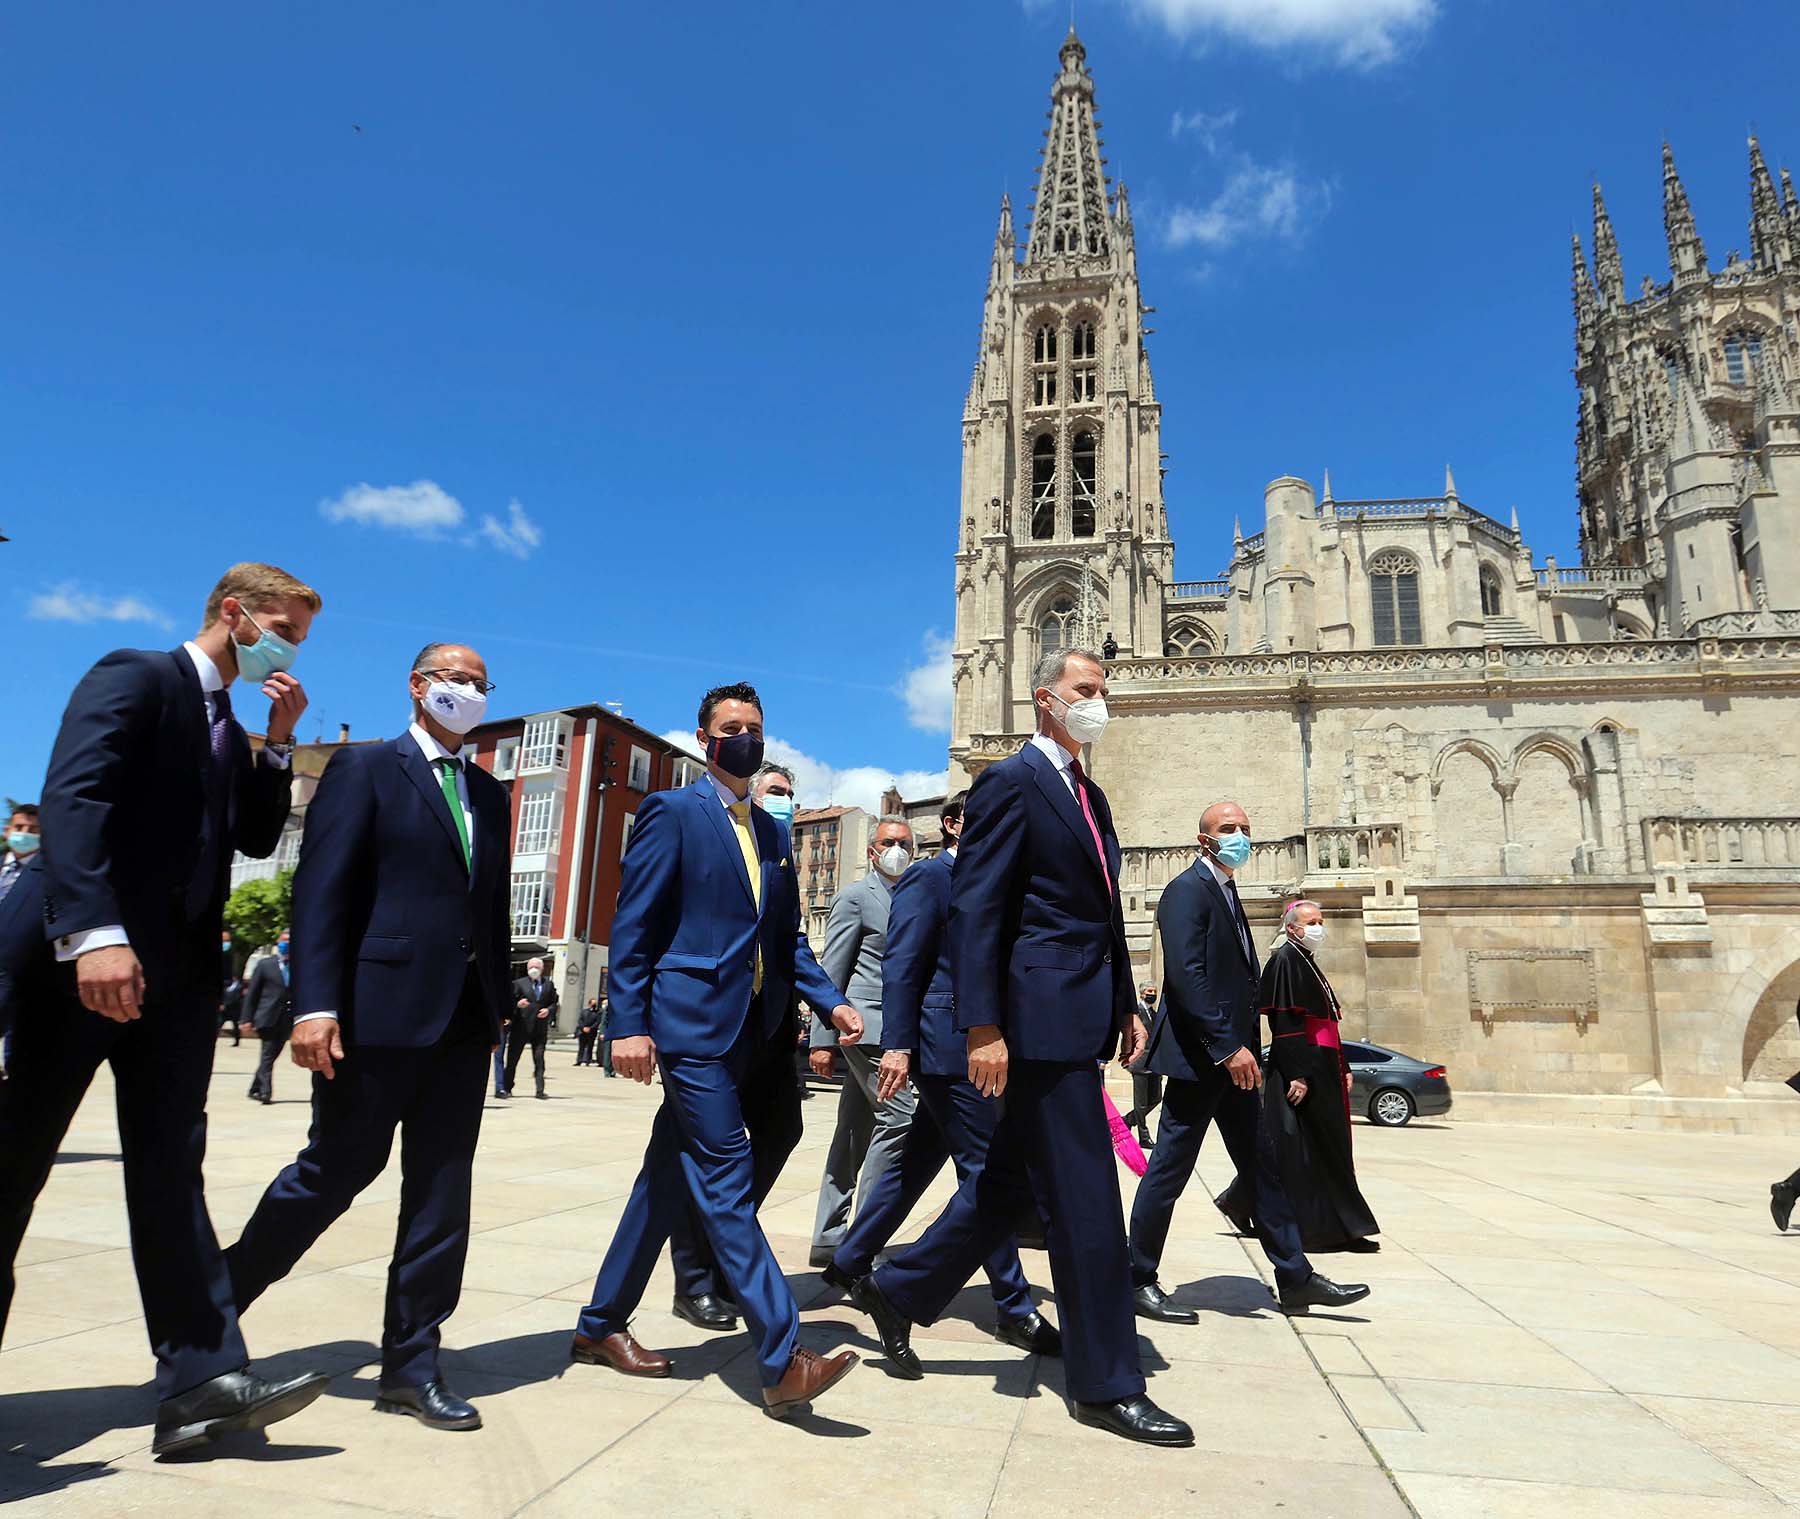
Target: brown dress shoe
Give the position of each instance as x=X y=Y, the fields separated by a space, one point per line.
x=622 y=1353
x=808 y=1374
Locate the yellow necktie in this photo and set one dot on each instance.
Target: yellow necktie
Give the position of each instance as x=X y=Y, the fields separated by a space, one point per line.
x=740 y=820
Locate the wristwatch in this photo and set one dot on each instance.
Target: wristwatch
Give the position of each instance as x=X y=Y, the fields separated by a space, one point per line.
x=284 y=747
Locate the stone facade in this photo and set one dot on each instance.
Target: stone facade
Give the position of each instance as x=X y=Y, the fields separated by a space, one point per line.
x=1553 y=812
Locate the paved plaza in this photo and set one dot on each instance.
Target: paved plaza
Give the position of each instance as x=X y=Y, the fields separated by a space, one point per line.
x=1565 y=1322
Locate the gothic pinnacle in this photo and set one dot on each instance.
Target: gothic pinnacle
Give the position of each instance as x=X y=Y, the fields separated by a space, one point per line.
x=1768 y=244
x=1449 y=484
x=1687 y=254
x=1607 y=269
x=1584 y=296
x=1790 y=203
x=1326 y=498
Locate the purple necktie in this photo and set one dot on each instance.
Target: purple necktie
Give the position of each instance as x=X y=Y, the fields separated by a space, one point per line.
x=1087 y=811
x=221 y=729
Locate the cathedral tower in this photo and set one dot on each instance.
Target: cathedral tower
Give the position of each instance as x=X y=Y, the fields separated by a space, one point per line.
x=1063 y=534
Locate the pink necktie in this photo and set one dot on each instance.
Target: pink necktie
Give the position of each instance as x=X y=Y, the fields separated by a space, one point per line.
x=1087 y=811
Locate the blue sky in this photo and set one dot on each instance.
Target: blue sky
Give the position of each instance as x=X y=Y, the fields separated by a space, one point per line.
x=630 y=343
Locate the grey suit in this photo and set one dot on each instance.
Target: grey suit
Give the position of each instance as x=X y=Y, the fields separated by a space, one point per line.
x=869 y=1134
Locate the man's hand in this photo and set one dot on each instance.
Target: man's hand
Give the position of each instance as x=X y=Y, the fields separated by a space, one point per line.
x=287 y=700
x=246 y=1029
x=987 y=1060
x=635 y=1057
x=524 y=1002
x=111 y=982
x=891 y=1074
x=821 y=1062
x=1132 y=1039
x=1297 y=1091
x=848 y=1022
x=1244 y=1071
x=315 y=1045
x=545 y=1013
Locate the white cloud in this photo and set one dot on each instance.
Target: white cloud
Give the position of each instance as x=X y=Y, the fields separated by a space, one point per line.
x=518 y=536
x=821 y=784
x=423 y=508
x=1209 y=127
x=926 y=687
x=1356 y=33
x=67 y=602
x=1258 y=202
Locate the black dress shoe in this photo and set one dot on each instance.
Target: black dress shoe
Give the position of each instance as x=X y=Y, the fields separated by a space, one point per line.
x=433 y=1405
x=1240 y=1222
x=1136 y=1419
x=834 y=1275
x=237 y=1400
x=1151 y=1302
x=503 y=1094
x=1321 y=1292
x=1032 y=1334
x=1782 y=1197
x=1361 y=1246
x=895 y=1330
x=543 y=1096
x=704 y=1311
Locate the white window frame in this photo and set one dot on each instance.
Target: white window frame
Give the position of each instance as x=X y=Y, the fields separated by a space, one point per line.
x=530 y=906
x=506 y=759
x=545 y=745
x=626 y=829
x=637 y=776
x=537 y=823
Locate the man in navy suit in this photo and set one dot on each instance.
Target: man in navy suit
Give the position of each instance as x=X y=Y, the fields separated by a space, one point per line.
x=954 y=1121
x=1043 y=992
x=402 y=933
x=706 y=952
x=1205 y=1042
x=152 y=784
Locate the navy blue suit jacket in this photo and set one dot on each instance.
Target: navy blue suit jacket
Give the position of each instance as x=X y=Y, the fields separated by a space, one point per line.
x=1208 y=1009
x=685 y=934
x=386 y=915
x=26 y=960
x=124 y=809
x=918 y=999
x=1036 y=940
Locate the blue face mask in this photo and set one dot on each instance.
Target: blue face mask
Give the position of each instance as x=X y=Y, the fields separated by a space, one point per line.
x=779 y=807
x=281 y=948
x=1233 y=848
x=258 y=661
x=23 y=844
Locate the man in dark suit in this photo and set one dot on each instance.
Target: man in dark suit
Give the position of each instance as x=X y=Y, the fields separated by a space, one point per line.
x=953 y=1121
x=269 y=1010
x=534 y=1010
x=231 y=999
x=587 y=1031
x=769 y=1097
x=402 y=931
x=1043 y=992
x=152 y=784
x=1205 y=1042
x=706 y=949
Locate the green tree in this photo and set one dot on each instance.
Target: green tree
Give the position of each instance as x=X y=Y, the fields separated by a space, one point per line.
x=258 y=910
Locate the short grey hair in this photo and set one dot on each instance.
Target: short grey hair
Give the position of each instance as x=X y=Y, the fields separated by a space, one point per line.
x=1051 y=666
x=892 y=817
x=765 y=770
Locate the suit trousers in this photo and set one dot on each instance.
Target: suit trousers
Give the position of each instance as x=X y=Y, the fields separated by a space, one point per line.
x=770 y=1099
x=698 y=1148
x=867 y=1140
x=956 y=1123
x=434 y=1097
x=584 y=1046
x=262 y=1084
x=1051 y=1142
x=521 y=1032
x=161 y=1064
x=1188 y=1107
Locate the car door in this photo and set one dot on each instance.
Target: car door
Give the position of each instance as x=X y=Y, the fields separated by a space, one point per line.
x=1364 y=1062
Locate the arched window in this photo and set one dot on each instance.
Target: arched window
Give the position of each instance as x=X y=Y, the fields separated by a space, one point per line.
x=1043 y=345
x=1081 y=456
x=1043 y=487
x=1490 y=591
x=1083 y=372
x=1394 y=598
x=1743 y=352
x=1188 y=639
x=1056 y=628
x=1043 y=365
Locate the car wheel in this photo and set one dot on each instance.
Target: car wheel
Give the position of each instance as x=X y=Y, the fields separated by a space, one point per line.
x=1391 y=1108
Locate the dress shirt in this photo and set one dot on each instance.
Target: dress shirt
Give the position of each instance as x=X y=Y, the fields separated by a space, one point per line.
x=433 y=752
x=11 y=867
x=1059 y=756
x=72 y=946
x=1223 y=877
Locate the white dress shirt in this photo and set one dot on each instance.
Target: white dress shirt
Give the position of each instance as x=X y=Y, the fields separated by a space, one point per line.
x=72 y=946
x=433 y=752
x=1059 y=756
x=1223 y=877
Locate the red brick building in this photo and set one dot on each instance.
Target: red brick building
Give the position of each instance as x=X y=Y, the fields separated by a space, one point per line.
x=577 y=776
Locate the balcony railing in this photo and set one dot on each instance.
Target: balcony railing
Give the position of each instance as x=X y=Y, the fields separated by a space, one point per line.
x=1742 y=624
x=1282 y=864
x=1199 y=590
x=1747 y=843
x=1606 y=576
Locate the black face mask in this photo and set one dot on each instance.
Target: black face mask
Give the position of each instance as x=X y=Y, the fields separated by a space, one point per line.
x=740 y=754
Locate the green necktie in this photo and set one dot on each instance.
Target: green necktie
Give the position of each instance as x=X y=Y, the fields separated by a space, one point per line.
x=447 y=769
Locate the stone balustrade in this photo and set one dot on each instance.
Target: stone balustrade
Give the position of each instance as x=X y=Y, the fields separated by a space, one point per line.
x=1593 y=576
x=1706 y=843
x=1283 y=864
x=1740 y=624
x=1199 y=590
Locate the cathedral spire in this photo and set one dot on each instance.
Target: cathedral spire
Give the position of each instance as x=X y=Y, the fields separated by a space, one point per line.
x=1003 y=241
x=1585 y=309
x=1693 y=429
x=1769 y=246
x=1607 y=269
x=1325 y=500
x=1687 y=254
x=1790 y=203
x=1070 y=218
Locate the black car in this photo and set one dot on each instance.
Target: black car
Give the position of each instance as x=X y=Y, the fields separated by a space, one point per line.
x=1391 y=1087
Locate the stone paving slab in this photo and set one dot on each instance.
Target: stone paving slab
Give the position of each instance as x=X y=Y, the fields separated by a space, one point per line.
x=1565 y=1322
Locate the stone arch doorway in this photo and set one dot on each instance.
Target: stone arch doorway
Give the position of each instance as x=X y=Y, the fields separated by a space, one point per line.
x=1772 y=1036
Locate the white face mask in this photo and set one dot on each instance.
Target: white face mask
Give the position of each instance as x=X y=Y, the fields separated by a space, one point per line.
x=458 y=708
x=893 y=860
x=1313 y=934
x=1086 y=719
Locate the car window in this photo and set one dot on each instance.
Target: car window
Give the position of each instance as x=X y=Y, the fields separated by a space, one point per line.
x=1362 y=1054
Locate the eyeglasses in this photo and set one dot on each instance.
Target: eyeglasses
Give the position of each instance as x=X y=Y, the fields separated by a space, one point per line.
x=462 y=678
